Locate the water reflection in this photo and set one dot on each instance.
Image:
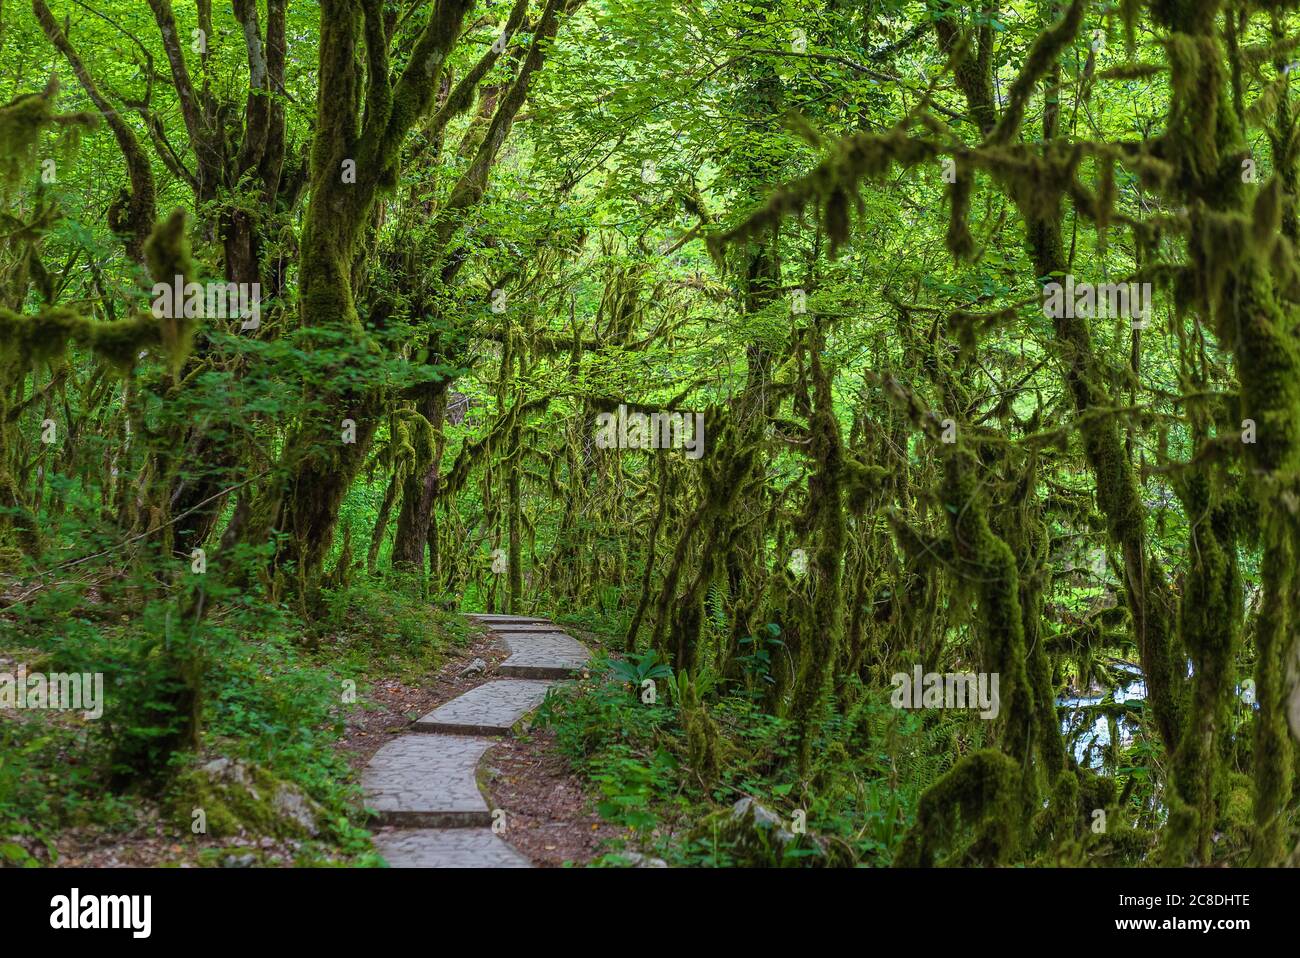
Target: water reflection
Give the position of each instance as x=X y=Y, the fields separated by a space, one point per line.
x=1089 y=745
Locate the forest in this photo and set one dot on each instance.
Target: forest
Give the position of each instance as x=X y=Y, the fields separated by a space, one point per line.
x=871 y=428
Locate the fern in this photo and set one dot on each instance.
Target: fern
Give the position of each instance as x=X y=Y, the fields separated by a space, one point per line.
x=718 y=598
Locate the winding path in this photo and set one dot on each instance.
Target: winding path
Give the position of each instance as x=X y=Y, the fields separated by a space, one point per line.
x=425 y=783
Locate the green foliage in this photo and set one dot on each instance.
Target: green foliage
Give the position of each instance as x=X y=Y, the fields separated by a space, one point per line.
x=826 y=229
x=759 y=649
x=640 y=669
x=616 y=744
x=639 y=757
x=383 y=627
x=268 y=700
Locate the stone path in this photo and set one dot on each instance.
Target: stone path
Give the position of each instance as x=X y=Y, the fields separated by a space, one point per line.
x=490 y=709
x=541 y=655
x=448 y=848
x=522 y=626
x=423 y=786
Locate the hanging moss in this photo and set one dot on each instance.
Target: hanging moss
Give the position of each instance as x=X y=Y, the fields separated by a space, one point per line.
x=960 y=243
x=1061 y=823
x=23 y=122
x=819 y=622
x=1025 y=532
x=1208 y=624
x=1205 y=138
x=834 y=183
x=45 y=336
x=1042 y=55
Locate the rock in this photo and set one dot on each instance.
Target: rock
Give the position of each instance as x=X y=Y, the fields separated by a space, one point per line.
x=239 y=861
x=760 y=818
x=292 y=804
x=219 y=767
x=637 y=860
x=235 y=796
x=477 y=667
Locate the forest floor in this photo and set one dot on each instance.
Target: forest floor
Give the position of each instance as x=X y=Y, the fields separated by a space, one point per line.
x=553 y=819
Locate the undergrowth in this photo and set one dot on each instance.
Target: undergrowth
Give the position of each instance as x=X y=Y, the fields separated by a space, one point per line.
x=871 y=765
x=275 y=695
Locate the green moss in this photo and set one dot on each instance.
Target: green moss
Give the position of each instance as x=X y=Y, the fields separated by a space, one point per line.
x=818 y=620
x=992 y=569
x=959 y=241
x=236 y=797
x=10 y=559
x=1123 y=845
x=1180 y=838
x=972 y=814
x=1062 y=821
x=702 y=739
x=23 y=122
x=1236 y=819
x=1208 y=624
x=834 y=184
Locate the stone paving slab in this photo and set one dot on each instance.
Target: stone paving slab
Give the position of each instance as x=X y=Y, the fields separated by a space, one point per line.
x=523 y=627
x=488 y=709
x=541 y=655
x=427 y=781
x=447 y=848
x=507 y=619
